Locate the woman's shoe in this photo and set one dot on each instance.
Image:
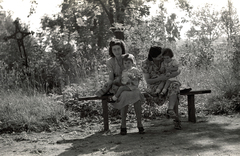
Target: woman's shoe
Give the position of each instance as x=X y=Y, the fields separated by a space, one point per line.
x=123 y=131
x=177 y=124
x=171 y=114
x=141 y=130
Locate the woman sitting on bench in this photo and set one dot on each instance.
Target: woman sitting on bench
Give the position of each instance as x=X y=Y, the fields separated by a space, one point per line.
x=151 y=67
x=115 y=68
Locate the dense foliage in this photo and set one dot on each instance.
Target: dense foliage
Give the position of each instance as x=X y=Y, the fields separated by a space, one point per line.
x=67 y=56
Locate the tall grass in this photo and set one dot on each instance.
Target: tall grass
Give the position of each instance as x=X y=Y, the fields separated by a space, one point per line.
x=219 y=78
x=22 y=112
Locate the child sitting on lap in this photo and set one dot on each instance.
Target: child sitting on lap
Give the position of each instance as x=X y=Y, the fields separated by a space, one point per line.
x=169 y=65
x=130 y=76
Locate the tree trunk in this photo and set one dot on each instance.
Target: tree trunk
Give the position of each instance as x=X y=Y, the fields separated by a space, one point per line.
x=120 y=9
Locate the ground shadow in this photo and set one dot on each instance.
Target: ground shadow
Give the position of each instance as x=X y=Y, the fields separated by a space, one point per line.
x=160 y=139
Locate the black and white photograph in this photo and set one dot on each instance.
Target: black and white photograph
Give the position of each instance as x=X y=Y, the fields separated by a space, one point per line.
x=120 y=77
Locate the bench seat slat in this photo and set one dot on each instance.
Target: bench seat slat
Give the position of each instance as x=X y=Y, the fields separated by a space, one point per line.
x=182 y=92
x=90 y=98
x=196 y=92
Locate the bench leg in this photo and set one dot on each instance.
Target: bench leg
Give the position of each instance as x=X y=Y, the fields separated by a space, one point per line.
x=105 y=114
x=191 y=109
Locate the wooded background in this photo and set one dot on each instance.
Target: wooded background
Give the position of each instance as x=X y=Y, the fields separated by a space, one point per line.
x=73 y=44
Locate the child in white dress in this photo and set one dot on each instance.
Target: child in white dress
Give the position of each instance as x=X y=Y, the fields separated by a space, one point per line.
x=130 y=76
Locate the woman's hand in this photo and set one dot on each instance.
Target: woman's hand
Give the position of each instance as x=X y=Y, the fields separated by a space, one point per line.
x=175 y=73
x=117 y=81
x=131 y=76
x=162 y=77
x=154 y=80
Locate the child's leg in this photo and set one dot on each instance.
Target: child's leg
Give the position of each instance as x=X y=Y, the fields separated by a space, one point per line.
x=104 y=89
x=160 y=87
x=164 y=90
x=119 y=91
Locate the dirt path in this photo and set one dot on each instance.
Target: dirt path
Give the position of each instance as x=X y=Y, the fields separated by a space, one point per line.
x=215 y=135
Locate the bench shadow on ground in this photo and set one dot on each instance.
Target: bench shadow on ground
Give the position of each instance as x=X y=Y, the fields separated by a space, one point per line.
x=160 y=139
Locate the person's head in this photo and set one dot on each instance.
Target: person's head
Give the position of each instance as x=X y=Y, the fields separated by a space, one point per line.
x=128 y=61
x=155 y=53
x=167 y=55
x=117 y=48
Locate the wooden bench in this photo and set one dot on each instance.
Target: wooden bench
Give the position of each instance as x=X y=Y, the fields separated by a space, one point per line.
x=190 y=97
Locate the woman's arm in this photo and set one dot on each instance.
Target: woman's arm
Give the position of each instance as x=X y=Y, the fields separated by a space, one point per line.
x=152 y=81
x=174 y=74
x=111 y=76
x=162 y=69
x=110 y=67
x=173 y=69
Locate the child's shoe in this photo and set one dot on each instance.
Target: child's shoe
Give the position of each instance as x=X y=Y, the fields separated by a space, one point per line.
x=103 y=90
x=100 y=93
x=112 y=99
x=163 y=92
